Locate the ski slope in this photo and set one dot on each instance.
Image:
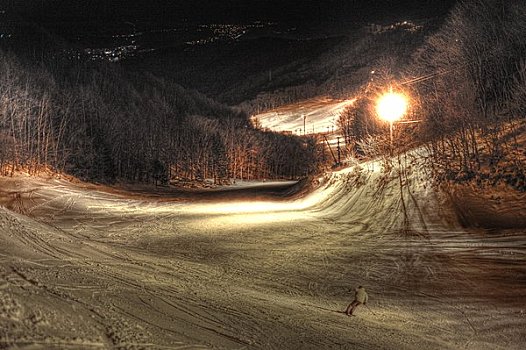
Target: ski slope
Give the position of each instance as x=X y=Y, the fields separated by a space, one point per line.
x=84 y=268
x=317 y=115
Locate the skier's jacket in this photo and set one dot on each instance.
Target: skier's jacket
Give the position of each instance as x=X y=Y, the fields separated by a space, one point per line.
x=361 y=295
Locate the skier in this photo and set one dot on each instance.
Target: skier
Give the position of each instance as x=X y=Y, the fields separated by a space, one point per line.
x=360 y=297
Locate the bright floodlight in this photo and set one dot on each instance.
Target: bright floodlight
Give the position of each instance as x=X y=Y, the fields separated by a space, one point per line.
x=391 y=106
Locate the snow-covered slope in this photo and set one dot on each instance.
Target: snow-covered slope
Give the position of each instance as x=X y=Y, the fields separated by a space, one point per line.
x=84 y=269
x=316 y=115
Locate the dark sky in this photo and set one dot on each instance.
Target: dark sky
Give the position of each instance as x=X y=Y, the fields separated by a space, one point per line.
x=224 y=10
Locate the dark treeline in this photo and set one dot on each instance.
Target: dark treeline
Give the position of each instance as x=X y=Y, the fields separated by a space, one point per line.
x=100 y=123
x=473 y=92
x=467 y=87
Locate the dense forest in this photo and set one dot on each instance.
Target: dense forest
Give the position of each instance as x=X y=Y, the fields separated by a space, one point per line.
x=467 y=90
x=97 y=122
x=472 y=92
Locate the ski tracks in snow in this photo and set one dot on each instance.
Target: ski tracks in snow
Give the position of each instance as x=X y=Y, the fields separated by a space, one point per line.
x=83 y=270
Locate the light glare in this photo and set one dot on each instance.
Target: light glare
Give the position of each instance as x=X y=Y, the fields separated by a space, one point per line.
x=391 y=106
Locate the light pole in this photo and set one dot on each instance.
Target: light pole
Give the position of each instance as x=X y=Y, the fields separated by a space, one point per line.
x=391 y=107
x=304 y=117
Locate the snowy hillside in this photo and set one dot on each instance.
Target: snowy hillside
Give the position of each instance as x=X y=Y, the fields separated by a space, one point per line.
x=87 y=269
x=321 y=115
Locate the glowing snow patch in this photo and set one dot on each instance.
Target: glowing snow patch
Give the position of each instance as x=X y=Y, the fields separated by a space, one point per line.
x=320 y=116
x=249 y=220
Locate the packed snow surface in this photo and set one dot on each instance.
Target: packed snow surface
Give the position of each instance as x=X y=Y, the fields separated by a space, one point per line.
x=84 y=268
x=317 y=115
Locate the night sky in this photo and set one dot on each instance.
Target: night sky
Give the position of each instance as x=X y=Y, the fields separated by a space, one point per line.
x=223 y=10
x=172 y=24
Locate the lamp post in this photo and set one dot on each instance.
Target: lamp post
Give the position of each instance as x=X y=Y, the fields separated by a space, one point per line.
x=391 y=107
